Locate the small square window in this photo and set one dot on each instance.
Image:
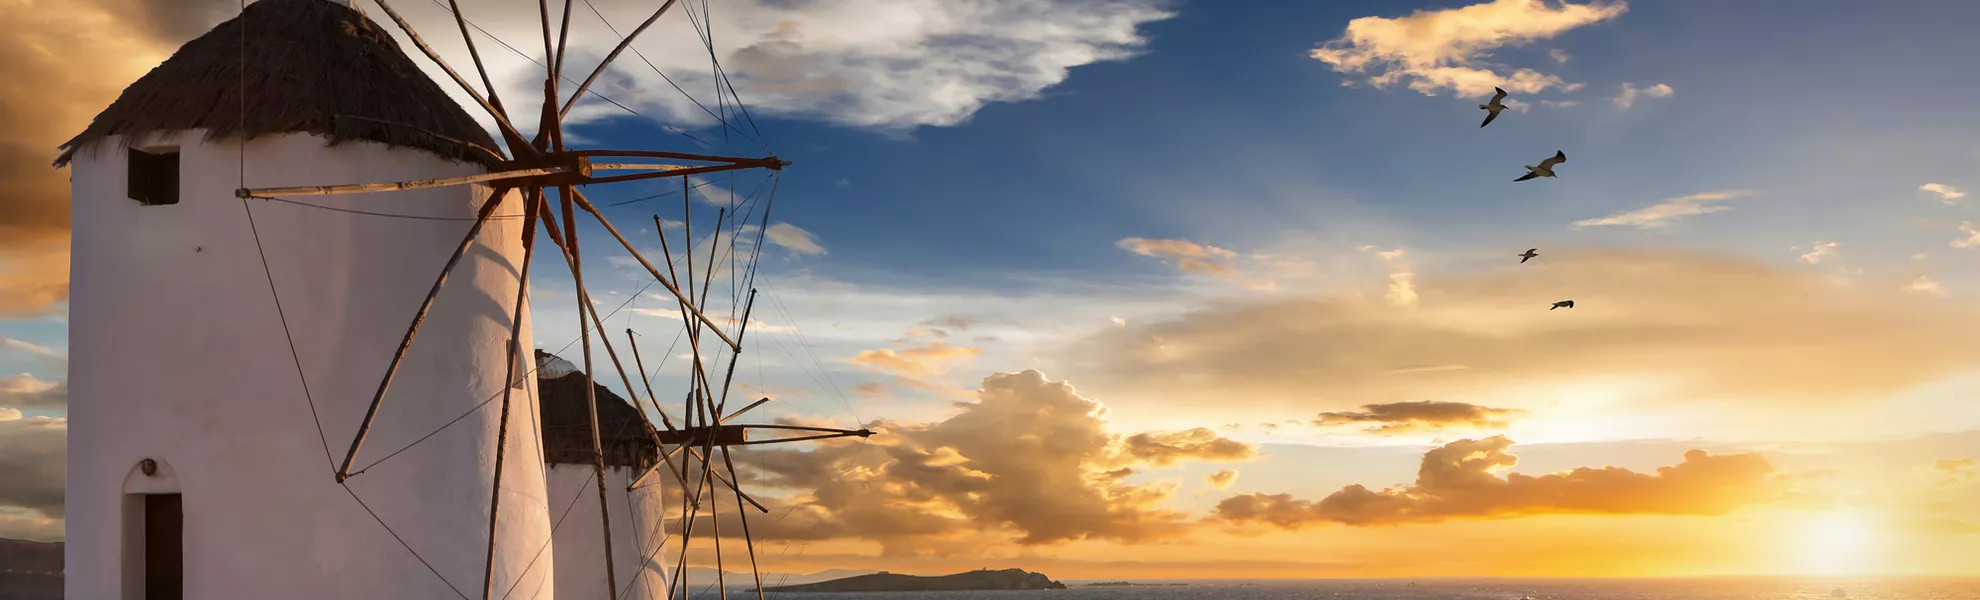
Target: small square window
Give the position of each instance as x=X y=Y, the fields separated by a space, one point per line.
x=153 y=178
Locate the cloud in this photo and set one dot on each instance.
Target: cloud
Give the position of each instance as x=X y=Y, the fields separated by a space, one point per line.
x=1560 y=103
x=1222 y=479
x=1458 y=480
x=1664 y=214
x=1972 y=236
x=1403 y=417
x=33 y=451
x=1934 y=526
x=1195 y=258
x=1402 y=280
x=1559 y=55
x=1817 y=252
x=25 y=391
x=889 y=66
x=1699 y=326
x=1946 y=193
x=44 y=353
x=1955 y=471
x=942 y=327
x=1926 y=285
x=1630 y=92
x=104 y=45
x=791 y=238
x=1446 y=49
x=932 y=359
x=1167 y=448
x=1030 y=460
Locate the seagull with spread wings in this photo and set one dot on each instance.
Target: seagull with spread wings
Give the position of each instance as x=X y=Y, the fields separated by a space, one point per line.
x=1546 y=168
x=1492 y=108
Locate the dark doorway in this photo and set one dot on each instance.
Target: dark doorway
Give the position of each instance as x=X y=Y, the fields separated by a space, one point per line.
x=164 y=542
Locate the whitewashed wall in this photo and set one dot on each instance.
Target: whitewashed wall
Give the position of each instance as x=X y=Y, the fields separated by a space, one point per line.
x=638 y=531
x=177 y=354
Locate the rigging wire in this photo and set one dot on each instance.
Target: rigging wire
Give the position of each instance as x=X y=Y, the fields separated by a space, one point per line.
x=670 y=81
x=569 y=80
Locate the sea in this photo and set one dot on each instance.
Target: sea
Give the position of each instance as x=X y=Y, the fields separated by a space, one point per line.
x=1467 y=589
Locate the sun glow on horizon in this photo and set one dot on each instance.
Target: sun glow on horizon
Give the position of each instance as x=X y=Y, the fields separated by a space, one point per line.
x=1838 y=543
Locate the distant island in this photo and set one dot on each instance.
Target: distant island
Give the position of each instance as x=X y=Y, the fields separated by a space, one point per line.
x=1007 y=579
x=1133 y=584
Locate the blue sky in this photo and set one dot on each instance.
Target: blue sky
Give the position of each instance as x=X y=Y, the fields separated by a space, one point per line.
x=1181 y=210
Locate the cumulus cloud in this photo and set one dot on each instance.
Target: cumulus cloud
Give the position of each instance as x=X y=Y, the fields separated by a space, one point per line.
x=1191 y=257
x=1946 y=193
x=1664 y=214
x=1429 y=415
x=1972 y=236
x=1448 y=49
x=1222 y=479
x=1459 y=480
x=25 y=391
x=1029 y=460
x=1700 y=326
x=33 y=451
x=1817 y=252
x=1627 y=98
x=932 y=359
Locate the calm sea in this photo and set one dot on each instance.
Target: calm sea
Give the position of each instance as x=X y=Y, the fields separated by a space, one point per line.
x=1476 y=589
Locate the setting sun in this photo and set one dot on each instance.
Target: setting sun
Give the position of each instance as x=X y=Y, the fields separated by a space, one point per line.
x=1839 y=542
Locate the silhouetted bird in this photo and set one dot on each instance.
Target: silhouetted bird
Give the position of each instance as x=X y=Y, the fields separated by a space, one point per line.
x=1546 y=168
x=1528 y=255
x=1563 y=304
x=1492 y=108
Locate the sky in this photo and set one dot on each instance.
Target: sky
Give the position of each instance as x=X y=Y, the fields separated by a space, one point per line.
x=1148 y=288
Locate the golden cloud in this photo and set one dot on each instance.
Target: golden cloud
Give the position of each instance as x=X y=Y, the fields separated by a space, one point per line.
x=1705 y=326
x=1443 y=49
x=68 y=60
x=932 y=359
x=1030 y=459
x=1222 y=479
x=1457 y=480
x=1955 y=471
x=1429 y=415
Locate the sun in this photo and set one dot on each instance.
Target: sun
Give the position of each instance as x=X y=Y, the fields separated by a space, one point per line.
x=1838 y=543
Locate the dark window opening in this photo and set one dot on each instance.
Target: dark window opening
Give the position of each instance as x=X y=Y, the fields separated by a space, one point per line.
x=164 y=542
x=154 y=177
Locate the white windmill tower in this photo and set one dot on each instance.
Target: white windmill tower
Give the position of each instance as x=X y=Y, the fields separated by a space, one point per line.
x=195 y=461
x=192 y=468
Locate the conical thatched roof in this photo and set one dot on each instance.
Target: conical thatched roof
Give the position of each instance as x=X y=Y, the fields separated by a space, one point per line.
x=312 y=66
x=567 y=426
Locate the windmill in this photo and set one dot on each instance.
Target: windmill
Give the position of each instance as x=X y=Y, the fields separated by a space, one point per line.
x=310 y=54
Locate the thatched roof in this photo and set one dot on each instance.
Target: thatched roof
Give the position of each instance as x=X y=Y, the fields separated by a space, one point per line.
x=312 y=66
x=567 y=425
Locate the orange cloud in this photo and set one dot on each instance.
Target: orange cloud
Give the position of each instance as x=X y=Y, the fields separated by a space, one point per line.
x=1030 y=461
x=79 y=55
x=1707 y=327
x=926 y=360
x=1955 y=471
x=1191 y=257
x=1405 y=417
x=1457 y=481
x=1222 y=479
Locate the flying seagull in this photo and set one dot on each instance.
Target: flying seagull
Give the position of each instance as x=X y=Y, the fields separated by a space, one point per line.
x=1492 y=109
x=1530 y=253
x=1563 y=303
x=1546 y=168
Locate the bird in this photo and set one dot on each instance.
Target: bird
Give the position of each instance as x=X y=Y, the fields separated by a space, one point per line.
x=1492 y=108
x=1563 y=303
x=1530 y=253
x=1546 y=168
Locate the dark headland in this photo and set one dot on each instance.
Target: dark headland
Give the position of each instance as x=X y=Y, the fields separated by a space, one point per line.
x=1007 y=579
